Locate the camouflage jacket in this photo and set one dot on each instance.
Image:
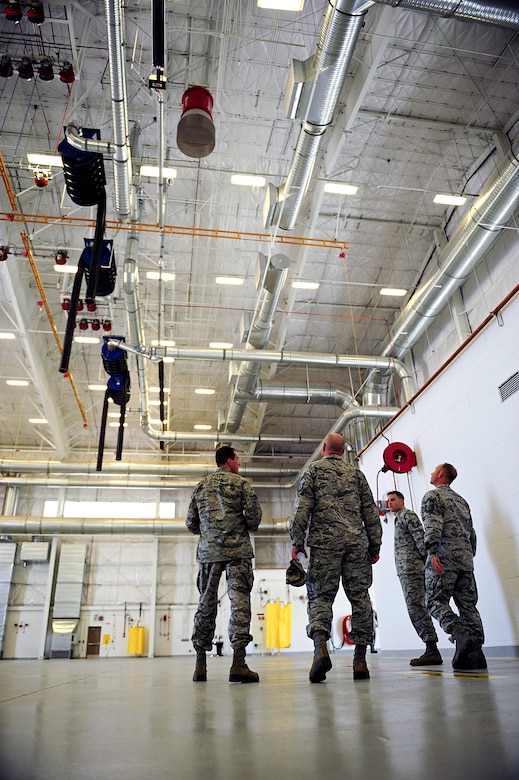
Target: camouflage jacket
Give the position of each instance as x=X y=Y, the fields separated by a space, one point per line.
x=410 y=552
x=449 y=533
x=335 y=504
x=223 y=509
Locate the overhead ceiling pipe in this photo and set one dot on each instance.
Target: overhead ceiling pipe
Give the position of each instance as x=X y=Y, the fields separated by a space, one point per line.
x=285 y=357
x=120 y=148
x=473 y=237
x=85 y=526
x=272 y=274
x=149 y=470
x=500 y=13
x=271 y=392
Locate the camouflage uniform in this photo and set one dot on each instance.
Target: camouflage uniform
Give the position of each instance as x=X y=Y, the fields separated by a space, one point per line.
x=335 y=504
x=223 y=509
x=449 y=534
x=410 y=556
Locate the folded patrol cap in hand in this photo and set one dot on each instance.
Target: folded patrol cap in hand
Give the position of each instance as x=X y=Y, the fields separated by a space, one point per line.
x=296 y=575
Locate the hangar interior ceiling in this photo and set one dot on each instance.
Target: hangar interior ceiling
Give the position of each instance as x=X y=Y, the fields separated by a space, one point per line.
x=401 y=102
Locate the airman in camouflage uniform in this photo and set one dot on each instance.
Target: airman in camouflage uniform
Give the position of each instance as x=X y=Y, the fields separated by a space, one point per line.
x=410 y=556
x=223 y=509
x=335 y=505
x=450 y=541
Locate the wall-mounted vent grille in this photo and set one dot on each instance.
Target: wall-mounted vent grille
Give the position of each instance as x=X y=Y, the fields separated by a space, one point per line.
x=509 y=387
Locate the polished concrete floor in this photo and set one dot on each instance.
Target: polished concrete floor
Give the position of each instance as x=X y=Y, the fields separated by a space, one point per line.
x=145 y=718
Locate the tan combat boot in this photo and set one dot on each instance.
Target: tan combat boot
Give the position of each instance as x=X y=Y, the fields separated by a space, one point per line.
x=240 y=672
x=321 y=663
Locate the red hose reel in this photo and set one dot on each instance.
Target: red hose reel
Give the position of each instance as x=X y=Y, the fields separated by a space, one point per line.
x=398 y=457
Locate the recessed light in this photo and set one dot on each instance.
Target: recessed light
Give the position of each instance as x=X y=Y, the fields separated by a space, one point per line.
x=165 y=276
x=37 y=420
x=86 y=339
x=221 y=345
x=340 y=188
x=156 y=402
x=65 y=269
x=231 y=280
x=17 y=382
x=101 y=388
x=153 y=172
x=450 y=200
x=298 y=285
x=7 y=336
x=282 y=5
x=45 y=160
x=162 y=343
x=168 y=359
x=202 y=427
x=248 y=180
x=117 y=425
x=396 y=291
x=205 y=391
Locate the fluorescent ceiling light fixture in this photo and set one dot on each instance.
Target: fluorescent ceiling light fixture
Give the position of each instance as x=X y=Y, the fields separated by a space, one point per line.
x=168 y=359
x=65 y=269
x=231 y=280
x=7 y=336
x=164 y=275
x=157 y=390
x=205 y=391
x=17 y=382
x=162 y=343
x=450 y=200
x=97 y=387
x=86 y=340
x=248 y=180
x=153 y=171
x=38 y=420
x=221 y=345
x=114 y=414
x=117 y=425
x=399 y=292
x=157 y=402
x=45 y=160
x=305 y=285
x=202 y=427
x=282 y=5
x=340 y=188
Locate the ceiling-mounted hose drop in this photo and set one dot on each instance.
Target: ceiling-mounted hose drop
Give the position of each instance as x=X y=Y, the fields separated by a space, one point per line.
x=161 y=399
x=115 y=363
x=85 y=182
x=158 y=22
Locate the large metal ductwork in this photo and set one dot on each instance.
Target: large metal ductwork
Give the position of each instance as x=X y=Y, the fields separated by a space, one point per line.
x=272 y=273
x=120 y=148
x=474 y=236
x=81 y=526
x=328 y=68
x=272 y=392
x=502 y=13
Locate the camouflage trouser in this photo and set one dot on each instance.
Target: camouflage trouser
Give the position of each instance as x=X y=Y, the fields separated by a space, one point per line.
x=413 y=588
x=461 y=587
x=325 y=569
x=240 y=579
